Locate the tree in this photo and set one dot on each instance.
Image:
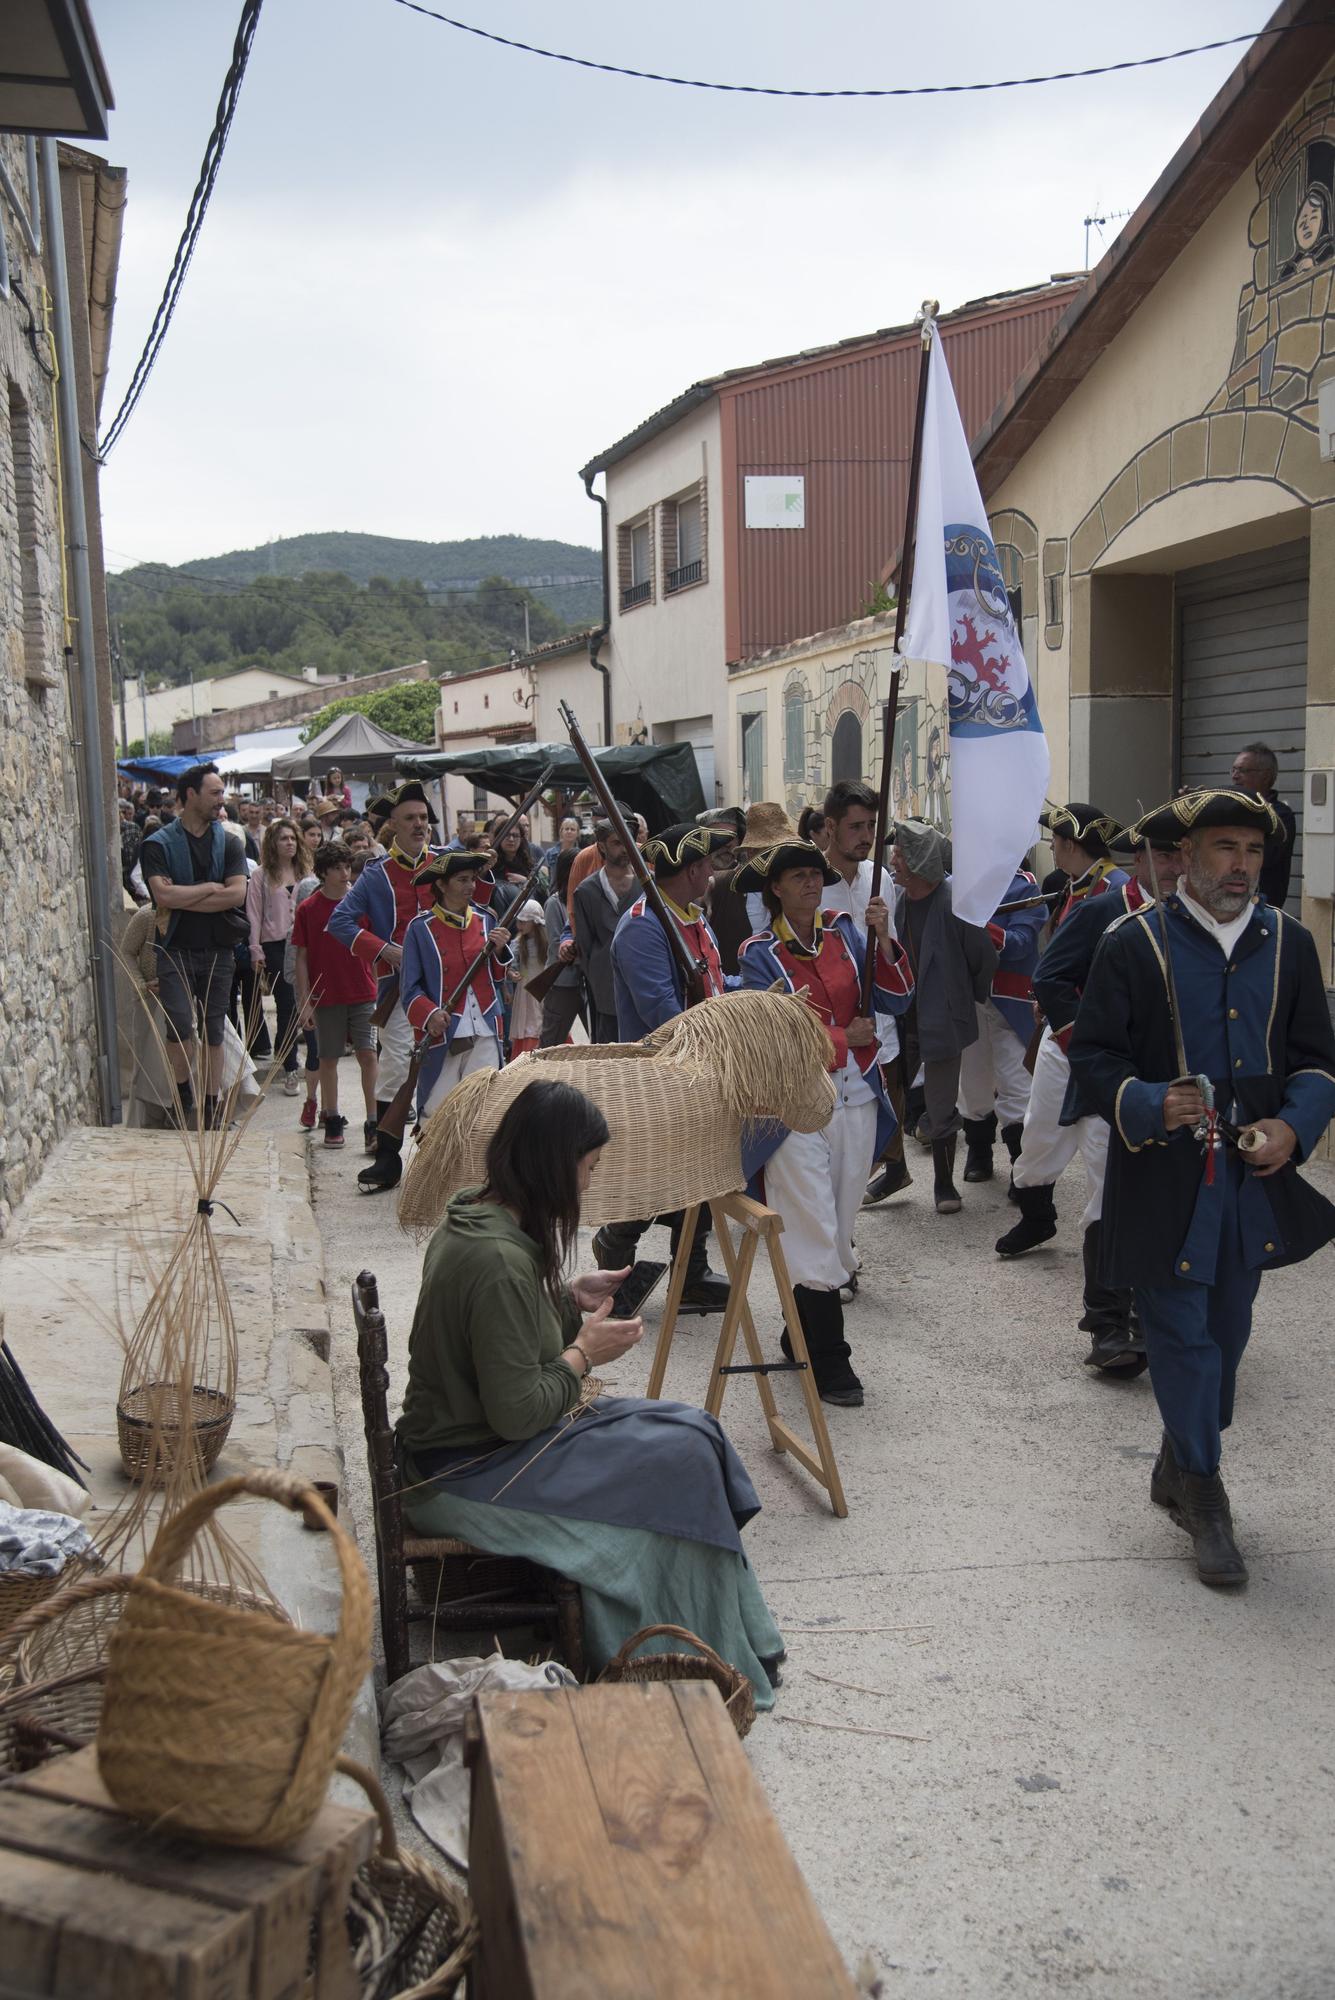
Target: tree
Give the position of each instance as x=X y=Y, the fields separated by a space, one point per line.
x=408 y=710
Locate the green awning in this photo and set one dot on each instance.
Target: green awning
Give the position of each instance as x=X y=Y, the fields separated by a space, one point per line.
x=660 y=780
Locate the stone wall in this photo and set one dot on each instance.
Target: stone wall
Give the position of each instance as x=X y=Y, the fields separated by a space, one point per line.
x=209 y=734
x=47 y=1029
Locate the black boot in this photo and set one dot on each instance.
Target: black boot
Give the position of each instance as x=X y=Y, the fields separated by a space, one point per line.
x=979 y=1135
x=1114 y=1347
x=1038 y=1222
x=705 y=1291
x=386 y=1169
x=615 y=1244
x=1166 y=1482
x=831 y=1363
x=1012 y=1138
x=891 y=1177
x=1207 y=1517
x=944 y=1192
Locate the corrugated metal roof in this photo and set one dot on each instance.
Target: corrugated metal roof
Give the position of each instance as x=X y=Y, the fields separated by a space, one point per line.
x=1020 y=302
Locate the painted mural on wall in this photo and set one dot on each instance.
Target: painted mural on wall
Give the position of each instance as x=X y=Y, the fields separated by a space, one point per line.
x=1283 y=326
x=831 y=726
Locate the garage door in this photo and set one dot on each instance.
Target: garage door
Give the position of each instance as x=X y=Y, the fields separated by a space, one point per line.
x=1242 y=652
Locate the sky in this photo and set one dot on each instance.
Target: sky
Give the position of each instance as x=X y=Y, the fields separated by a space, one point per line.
x=437 y=276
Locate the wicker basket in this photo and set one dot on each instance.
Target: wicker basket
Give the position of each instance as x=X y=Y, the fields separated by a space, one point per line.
x=410 y=1928
x=18 y=1594
x=702 y=1665
x=225 y=1722
x=148 y=1425
x=48 y=1719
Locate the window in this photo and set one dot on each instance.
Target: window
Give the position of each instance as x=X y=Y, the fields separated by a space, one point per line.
x=635 y=562
x=846 y=748
x=1054 y=585
x=794 y=733
x=684 y=541
x=753 y=757
x=486 y=701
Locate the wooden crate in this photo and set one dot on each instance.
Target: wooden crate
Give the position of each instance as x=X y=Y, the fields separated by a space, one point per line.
x=96 y=1906
x=622 y=1846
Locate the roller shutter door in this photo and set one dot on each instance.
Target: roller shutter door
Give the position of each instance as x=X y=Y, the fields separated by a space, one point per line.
x=1242 y=653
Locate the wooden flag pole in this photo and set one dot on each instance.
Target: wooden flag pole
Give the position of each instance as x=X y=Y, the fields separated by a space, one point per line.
x=890 y=713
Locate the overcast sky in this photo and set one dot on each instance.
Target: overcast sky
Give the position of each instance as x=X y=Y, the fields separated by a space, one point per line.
x=437 y=276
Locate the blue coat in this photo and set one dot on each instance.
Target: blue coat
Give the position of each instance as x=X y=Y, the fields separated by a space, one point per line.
x=1017 y=955
x=424 y=982
x=1258 y=1026
x=370 y=906
x=761 y=966
x=646 y=977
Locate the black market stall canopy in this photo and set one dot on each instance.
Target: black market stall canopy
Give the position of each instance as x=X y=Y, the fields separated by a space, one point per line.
x=352 y=744
x=659 y=780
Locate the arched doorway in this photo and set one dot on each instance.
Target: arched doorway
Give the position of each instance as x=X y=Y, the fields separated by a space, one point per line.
x=846 y=748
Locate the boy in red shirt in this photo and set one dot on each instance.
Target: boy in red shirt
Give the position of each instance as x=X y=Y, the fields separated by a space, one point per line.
x=335 y=992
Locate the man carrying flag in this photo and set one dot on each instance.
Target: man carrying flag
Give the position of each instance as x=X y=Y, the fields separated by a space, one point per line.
x=959 y=615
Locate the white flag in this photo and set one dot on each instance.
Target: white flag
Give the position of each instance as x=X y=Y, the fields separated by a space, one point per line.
x=960 y=616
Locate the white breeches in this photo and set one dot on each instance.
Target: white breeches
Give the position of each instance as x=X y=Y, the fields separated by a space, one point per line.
x=1048 y=1147
x=396 y=1053
x=484 y=1054
x=816 y=1181
x=992 y=1072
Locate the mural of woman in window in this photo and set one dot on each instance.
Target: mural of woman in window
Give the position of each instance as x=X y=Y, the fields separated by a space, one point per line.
x=1313 y=243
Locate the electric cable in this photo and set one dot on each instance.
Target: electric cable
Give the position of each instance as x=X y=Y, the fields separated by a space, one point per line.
x=896 y=90
x=199 y=201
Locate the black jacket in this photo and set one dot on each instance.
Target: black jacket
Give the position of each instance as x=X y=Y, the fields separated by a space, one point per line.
x=953 y=975
x=1278 y=864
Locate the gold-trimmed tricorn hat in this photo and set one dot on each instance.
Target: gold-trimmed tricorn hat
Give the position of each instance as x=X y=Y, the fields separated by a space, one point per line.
x=441 y=866
x=771 y=862
x=1078 y=820
x=1217 y=805
x=676 y=847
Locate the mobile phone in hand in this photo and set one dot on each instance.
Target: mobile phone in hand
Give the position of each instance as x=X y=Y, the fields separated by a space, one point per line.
x=632 y=1292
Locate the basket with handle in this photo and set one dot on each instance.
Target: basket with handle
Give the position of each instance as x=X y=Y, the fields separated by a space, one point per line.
x=224 y=1721
x=704 y=1664
x=411 y=1929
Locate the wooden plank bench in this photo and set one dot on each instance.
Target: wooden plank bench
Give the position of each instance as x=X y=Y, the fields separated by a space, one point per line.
x=92 y=1903
x=622 y=1846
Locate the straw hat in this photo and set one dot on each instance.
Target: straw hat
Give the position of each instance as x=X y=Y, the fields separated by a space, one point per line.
x=766 y=825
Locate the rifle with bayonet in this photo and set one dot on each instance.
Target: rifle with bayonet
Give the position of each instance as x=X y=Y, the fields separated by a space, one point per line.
x=389 y=999
x=692 y=968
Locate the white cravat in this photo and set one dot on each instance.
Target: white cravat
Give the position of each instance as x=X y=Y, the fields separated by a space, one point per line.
x=1225 y=935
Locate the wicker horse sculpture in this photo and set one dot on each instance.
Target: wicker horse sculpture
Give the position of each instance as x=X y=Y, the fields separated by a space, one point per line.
x=675 y=1106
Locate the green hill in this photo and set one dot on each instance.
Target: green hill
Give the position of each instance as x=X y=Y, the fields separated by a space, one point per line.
x=562 y=575
x=351 y=604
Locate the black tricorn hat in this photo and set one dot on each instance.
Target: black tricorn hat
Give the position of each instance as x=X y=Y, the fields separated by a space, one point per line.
x=678 y=846
x=771 y=862
x=1214 y=806
x=441 y=866
x=411 y=788
x=1078 y=820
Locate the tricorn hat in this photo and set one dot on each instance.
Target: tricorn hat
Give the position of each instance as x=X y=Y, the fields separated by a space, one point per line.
x=678 y=846
x=766 y=825
x=441 y=866
x=1215 y=806
x=771 y=862
x=1078 y=820
x=411 y=788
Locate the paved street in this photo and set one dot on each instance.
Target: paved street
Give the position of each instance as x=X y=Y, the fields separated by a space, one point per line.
x=1116 y=1781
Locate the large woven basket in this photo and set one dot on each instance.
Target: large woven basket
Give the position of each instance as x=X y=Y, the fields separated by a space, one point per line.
x=18 y=1594
x=703 y=1664
x=148 y=1428
x=410 y=1928
x=48 y=1719
x=222 y=1722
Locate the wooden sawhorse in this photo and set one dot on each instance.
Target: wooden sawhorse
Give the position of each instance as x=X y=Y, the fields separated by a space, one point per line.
x=757 y=1224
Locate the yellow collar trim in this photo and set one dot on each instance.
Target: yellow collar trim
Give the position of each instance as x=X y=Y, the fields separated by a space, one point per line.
x=785 y=933
x=691 y=916
x=452 y=920
x=396 y=853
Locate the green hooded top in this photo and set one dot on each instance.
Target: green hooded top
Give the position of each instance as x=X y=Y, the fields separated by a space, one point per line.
x=484 y=1354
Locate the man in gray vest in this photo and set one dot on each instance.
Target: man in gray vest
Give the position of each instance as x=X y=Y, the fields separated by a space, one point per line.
x=196 y=874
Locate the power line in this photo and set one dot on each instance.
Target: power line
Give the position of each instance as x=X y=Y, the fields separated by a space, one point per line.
x=899 y=90
x=194 y=220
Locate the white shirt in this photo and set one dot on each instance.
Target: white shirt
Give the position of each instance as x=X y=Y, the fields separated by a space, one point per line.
x=1225 y=935
x=850 y=899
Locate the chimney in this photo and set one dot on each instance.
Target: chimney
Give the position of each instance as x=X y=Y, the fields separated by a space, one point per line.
x=310 y=674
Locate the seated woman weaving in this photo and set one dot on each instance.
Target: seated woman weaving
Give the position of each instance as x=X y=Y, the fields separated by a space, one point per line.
x=638 y=1502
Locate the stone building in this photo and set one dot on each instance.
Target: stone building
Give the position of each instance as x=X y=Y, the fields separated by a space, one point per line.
x=57 y=1053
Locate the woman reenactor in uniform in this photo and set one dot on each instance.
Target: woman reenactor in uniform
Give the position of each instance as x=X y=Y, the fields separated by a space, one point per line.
x=816 y=1180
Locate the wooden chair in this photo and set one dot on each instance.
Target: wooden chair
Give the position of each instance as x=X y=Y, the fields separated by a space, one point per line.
x=459 y=1588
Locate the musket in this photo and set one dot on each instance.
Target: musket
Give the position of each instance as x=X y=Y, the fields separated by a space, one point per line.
x=692 y=969
x=1043 y=896
x=389 y=999
x=889 y=716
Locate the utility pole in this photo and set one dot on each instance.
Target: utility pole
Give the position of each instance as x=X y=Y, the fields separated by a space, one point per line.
x=118 y=663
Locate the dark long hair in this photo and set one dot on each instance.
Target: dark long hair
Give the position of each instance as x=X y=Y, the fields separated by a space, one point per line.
x=531 y=1168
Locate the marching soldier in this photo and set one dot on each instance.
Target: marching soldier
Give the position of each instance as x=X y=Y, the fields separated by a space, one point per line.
x=1204 y=1038
x=1080 y=837
x=1108 y=1318
x=438 y=948
x=994 y=1083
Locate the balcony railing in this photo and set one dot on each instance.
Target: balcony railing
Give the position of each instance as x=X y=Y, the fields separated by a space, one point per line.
x=635 y=593
x=677 y=579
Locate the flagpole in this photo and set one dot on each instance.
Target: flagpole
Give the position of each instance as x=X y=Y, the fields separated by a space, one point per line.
x=908 y=549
